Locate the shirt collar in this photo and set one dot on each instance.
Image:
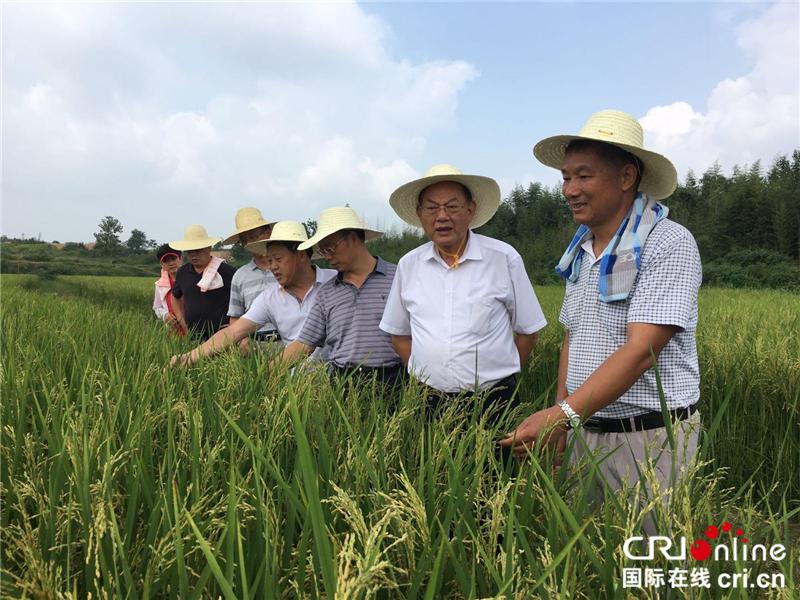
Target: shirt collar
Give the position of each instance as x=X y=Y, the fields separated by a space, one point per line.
x=588 y=247
x=472 y=251
x=318 y=272
x=252 y=264
x=380 y=267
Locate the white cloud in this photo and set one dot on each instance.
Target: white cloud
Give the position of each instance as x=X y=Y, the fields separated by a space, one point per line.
x=746 y=118
x=166 y=114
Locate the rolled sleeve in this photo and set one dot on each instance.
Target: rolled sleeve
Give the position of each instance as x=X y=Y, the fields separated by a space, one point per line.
x=667 y=287
x=527 y=316
x=563 y=316
x=396 y=320
x=259 y=312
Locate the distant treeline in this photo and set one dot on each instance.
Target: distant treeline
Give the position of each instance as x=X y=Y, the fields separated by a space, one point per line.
x=747 y=227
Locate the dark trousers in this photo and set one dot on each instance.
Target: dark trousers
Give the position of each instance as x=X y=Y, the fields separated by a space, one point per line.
x=498 y=400
x=392 y=379
x=495 y=399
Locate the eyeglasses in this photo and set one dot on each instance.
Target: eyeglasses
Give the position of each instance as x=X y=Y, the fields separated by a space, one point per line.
x=252 y=236
x=431 y=209
x=329 y=251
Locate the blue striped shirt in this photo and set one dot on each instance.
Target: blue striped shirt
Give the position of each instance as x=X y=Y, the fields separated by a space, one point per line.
x=347 y=318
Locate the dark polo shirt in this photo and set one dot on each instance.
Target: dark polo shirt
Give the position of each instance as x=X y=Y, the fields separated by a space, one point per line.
x=346 y=318
x=204 y=311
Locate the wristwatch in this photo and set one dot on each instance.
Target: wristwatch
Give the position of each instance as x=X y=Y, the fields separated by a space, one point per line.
x=574 y=418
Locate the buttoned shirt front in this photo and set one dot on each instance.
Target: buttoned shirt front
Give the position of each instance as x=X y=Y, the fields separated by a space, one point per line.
x=287 y=311
x=346 y=318
x=461 y=321
x=664 y=293
x=248 y=282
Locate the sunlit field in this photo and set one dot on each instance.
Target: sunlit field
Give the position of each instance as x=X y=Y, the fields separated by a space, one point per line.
x=124 y=479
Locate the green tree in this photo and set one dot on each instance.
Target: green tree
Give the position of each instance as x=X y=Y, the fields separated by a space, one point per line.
x=240 y=255
x=138 y=242
x=107 y=240
x=311 y=227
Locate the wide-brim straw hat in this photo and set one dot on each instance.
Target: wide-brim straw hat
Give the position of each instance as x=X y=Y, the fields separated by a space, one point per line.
x=247 y=219
x=194 y=238
x=336 y=219
x=613 y=127
x=485 y=192
x=282 y=231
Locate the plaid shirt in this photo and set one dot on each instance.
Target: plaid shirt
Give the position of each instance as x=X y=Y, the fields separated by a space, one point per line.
x=664 y=293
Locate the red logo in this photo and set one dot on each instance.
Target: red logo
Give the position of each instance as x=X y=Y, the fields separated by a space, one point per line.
x=701 y=549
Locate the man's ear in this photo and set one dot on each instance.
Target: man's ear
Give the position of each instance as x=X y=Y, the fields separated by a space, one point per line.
x=628 y=176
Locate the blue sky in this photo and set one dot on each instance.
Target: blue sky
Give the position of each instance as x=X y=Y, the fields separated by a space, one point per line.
x=168 y=114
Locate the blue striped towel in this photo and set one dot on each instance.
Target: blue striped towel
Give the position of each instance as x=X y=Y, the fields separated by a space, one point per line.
x=618 y=269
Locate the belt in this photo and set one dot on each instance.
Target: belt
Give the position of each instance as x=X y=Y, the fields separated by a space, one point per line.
x=367 y=370
x=267 y=335
x=650 y=420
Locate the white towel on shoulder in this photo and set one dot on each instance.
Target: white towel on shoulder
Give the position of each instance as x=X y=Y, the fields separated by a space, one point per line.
x=211 y=280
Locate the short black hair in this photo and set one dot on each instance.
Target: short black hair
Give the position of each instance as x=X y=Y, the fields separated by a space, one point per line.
x=359 y=232
x=167 y=249
x=291 y=246
x=467 y=192
x=609 y=153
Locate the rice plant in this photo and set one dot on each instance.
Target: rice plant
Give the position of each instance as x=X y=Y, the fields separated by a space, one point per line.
x=124 y=479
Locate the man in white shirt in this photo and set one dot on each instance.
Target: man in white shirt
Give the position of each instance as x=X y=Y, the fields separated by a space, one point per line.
x=286 y=305
x=458 y=301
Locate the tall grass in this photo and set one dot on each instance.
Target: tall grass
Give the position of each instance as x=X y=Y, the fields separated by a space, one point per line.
x=122 y=479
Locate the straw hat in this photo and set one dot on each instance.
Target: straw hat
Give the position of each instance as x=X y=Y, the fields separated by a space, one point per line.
x=283 y=231
x=246 y=219
x=336 y=219
x=485 y=193
x=194 y=238
x=618 y=129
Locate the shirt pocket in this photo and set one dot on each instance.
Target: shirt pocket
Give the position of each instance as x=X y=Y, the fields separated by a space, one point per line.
x=480 y=311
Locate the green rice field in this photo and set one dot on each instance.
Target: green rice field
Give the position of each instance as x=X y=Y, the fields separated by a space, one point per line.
x=122 y=478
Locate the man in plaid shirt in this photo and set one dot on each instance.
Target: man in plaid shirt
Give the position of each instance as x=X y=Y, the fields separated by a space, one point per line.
x=632 y=282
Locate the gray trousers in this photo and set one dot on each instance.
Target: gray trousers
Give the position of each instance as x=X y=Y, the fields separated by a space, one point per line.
x=619 y=455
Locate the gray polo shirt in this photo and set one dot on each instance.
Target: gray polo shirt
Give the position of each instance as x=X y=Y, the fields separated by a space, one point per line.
x=248 y=283
x=664 y=293
x=347 y=318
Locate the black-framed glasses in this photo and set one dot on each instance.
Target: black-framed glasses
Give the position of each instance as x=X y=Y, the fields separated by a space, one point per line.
x=330 y=250
x=431 y=209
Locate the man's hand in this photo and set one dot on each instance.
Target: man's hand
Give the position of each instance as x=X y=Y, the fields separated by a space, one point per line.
x=181 y=361
x=546 y=429
x=244 y=347
x=171 y=319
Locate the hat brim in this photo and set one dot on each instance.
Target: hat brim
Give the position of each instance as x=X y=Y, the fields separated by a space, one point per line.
x=234 y=237
x=485 y=192
x=369 y=234
x=260 y=247
x=185 y=246
x=660 y=177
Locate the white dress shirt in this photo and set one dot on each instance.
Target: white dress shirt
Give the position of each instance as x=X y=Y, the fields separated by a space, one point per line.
x=287 y=311
x=460 y=318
